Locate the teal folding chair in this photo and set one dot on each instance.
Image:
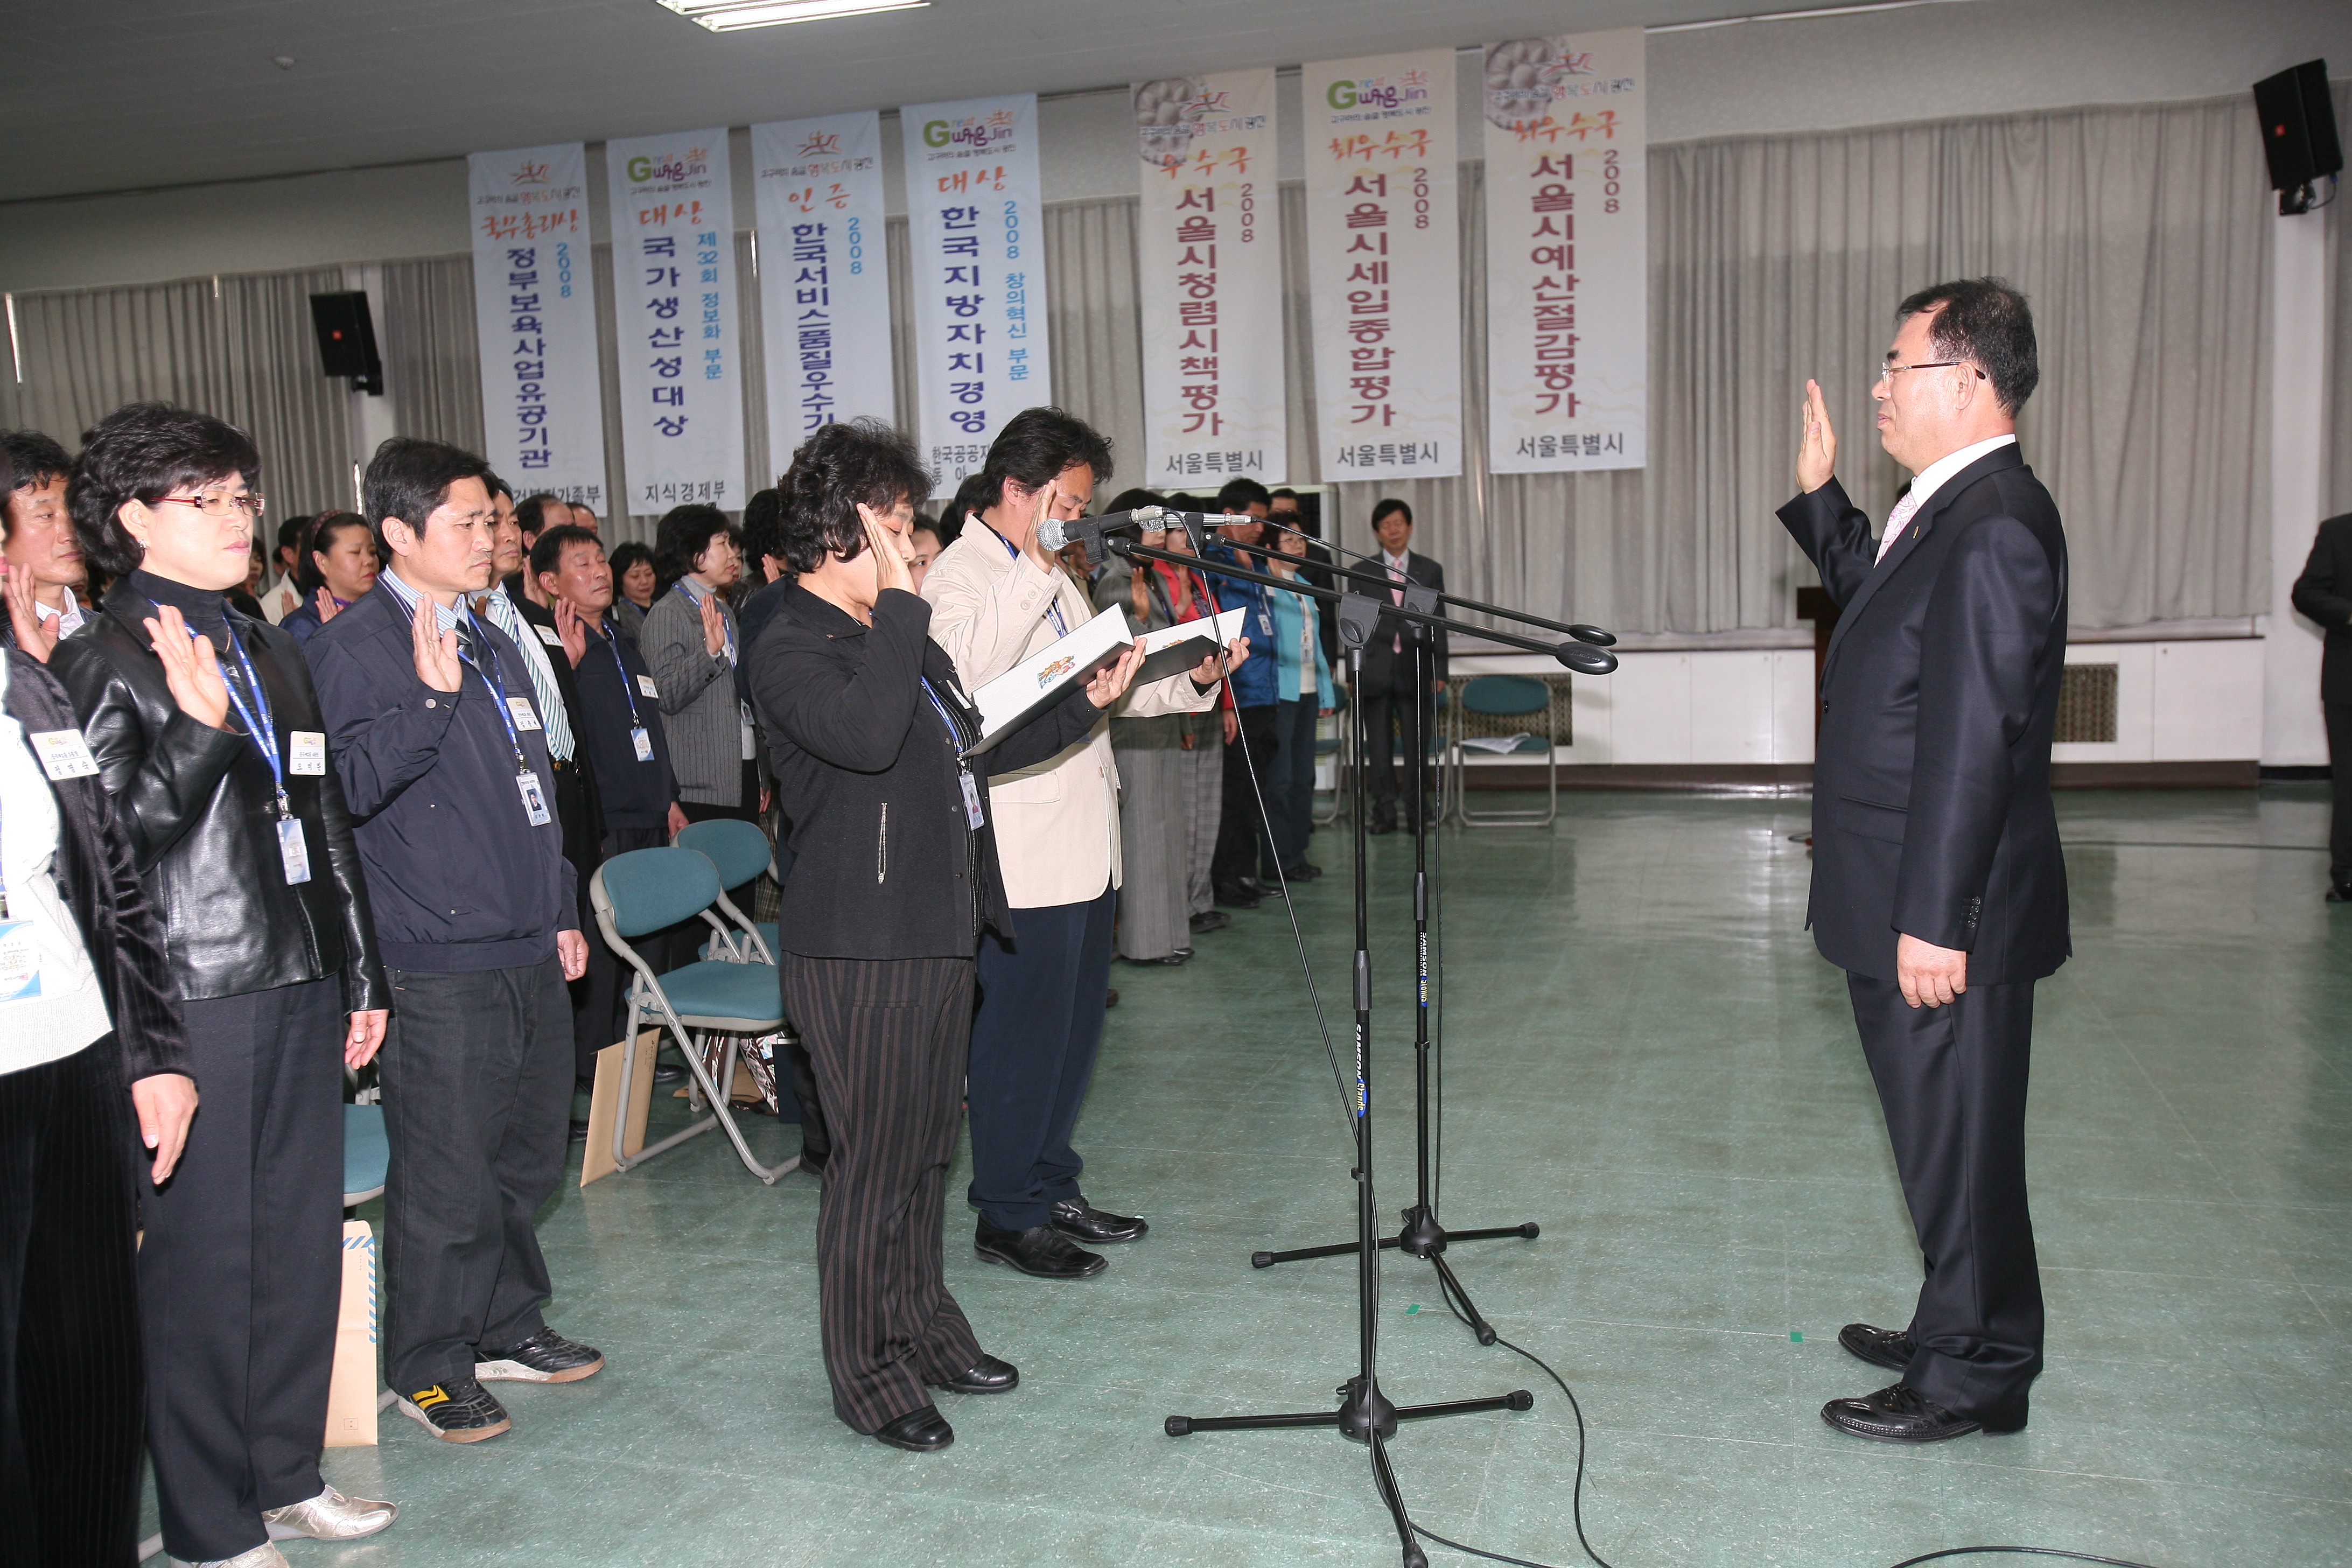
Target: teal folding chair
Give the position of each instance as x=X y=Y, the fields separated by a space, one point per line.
x=367 y=1154
x=740 y=852
x=1509 y=696
x=652 y=889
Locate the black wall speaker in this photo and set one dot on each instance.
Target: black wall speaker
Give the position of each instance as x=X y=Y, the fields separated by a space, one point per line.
x=2298 y=132
x=347 y=339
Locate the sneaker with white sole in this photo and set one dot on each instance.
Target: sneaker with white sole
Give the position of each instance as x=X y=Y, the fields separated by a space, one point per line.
x=458 y=1411
x=545 y=1357
x=329 y=1516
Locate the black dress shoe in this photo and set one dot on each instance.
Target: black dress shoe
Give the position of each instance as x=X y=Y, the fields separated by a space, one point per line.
x=578 y=1132
x=1901 y=1413
x=2339 y=895
x=1041 y=1251
x=1110 y=998
x=1209 y=920
x=923 y=1431
x=1081 y=1221
x=666 y=1073
x=1170 y=961
x=1889 y=1348
x=986 y=1376
x=814 y=1164
x=1304 y=871
x=1380 y=825
x=1235 y=897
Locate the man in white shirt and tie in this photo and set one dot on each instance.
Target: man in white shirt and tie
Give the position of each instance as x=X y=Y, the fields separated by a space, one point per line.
x=1404 y=663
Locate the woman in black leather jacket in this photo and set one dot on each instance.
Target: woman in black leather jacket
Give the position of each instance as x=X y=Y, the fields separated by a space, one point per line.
x=894 y=874
x=207 y=735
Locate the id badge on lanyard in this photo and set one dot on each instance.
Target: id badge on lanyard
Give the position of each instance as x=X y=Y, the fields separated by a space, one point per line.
x=972 y=814
x=643 y=741
x=534 y=798
x=293 y=850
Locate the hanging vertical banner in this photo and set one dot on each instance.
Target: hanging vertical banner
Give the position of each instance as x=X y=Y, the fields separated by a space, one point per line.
x=535 y=320
x=674 y=320
x=1568 y=318
x=975 y=246
x=1383 y=265
x=1208 y=256
x=824 y=282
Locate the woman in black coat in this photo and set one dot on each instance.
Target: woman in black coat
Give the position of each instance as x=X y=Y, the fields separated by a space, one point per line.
x=206 y=732
x=894 y=875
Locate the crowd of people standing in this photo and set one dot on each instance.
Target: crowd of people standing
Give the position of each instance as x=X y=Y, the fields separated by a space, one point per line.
x=268 y=821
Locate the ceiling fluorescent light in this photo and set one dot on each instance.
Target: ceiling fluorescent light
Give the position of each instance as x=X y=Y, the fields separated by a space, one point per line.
x=733 y=15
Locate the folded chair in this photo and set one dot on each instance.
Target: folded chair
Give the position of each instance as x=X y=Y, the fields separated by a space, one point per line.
x=741 y=852
x=652 y=889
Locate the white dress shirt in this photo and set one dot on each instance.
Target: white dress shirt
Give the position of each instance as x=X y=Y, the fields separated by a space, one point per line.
x=1929 y=481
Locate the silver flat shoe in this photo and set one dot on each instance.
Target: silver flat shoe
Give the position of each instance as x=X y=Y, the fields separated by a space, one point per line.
x=329 y=1516
x=262 y=1556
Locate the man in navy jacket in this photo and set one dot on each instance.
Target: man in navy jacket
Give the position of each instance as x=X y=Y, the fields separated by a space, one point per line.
x=1938 y=881
x=433 y=728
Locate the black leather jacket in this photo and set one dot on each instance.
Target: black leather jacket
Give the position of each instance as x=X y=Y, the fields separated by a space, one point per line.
x=200 y=805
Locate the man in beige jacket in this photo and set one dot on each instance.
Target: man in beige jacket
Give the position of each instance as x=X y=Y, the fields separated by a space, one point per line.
x=997 y=596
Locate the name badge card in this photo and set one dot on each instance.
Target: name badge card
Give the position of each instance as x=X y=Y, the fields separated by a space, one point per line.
x=64 y=754
x=646 y=688
x=306 y=752
x=293 y=850
x=549 y=636
x=524 y=718
x=534 y=799
x=20 y=961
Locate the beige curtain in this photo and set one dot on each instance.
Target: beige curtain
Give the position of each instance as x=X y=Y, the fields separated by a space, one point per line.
x=2338 y=491
x=239 y=347
x=424 y=330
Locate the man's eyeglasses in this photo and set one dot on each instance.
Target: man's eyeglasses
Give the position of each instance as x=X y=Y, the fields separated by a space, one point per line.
x=1889 y=371
x=218 y=507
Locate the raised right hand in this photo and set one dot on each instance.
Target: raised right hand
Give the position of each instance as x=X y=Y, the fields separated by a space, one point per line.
x=890 y=566
x=34 y=635
x=714 y=627
x=327 y=608
x=191 y=667
x=436 y=651
x=1817 y=449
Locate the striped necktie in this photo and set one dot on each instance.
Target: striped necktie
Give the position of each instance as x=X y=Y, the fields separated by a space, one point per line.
x=1895 y=520
x=507 y=619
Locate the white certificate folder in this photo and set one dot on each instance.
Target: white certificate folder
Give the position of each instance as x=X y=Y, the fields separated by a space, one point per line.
x=1045 y=677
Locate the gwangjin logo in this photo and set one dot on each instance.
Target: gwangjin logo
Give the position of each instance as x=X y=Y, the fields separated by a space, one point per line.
x=668 y=167
x=529 y=173
x=935 y=133
x=823 y=144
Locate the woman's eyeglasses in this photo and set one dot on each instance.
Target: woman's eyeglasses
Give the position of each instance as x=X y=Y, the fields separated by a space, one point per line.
x=219 y=507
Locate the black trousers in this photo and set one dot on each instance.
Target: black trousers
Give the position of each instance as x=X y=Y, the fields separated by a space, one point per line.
x=2339 y=761
x=1397 y=708
x=242 y=1266
x=478 y=1071
x=888 y=1038
x=70 y=1359
x=1952 y=1081
x=1032 y=1053
x=1241 y=827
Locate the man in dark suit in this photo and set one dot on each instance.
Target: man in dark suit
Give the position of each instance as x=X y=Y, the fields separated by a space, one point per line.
x=1938 y=881
x=1404 y=664
x=2324 y=593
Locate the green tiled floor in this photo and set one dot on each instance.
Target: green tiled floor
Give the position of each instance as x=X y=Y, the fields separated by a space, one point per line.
x=1647 y=1059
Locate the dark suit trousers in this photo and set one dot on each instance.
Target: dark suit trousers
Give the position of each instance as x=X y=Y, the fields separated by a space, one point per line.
x=1400 y=708
x=1032 y=1053
x=477 y=1071
x=887 y=1039
x=2339 y=759
x=1952 y=1080
x=1241 y=823
x=242 y=1267
x=68 y=1316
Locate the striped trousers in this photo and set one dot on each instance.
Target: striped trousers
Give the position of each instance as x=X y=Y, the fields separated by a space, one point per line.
x=888 y=1038
x=1204 y=789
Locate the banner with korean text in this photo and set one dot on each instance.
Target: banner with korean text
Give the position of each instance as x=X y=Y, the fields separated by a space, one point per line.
x=824 y=282
x=1383 y=265
x=674 y=320
x=975 y=243
x=1209 y=255
x=1568 y=318
x=535 y=320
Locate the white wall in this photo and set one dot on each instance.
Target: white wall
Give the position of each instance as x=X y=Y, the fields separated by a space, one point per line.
x=2177 y=701
x=1986 y=56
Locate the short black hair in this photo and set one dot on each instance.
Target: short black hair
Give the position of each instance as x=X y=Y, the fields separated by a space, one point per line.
x=290 y=532
x=1386 y=505
x=497 y=486
x=318 y=538
x=409 y=478
x=531 y=511
x=685 y=533
x=626 y=555
x=1135 y=500
x=547 y=550
x=144 y=451
x=1983 y=319
x=974 y=495
x=1280 y=492
x=1035 y=446
x=32 y=460
x=837 y=470
x=763 y=525
x=1239 y=494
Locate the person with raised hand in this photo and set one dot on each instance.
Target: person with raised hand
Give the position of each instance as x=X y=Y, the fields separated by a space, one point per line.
x=206 y=731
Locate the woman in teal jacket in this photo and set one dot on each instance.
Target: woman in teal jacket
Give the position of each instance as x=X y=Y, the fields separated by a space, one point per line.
x=1304 y=694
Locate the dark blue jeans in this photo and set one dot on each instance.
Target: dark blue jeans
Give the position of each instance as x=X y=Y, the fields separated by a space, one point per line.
x=1290 y=793
x=1032 y=1053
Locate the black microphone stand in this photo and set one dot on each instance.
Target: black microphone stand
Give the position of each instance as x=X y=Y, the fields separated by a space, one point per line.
x=1364 y=1414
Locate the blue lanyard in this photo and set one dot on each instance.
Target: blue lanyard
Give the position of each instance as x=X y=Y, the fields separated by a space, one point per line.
x=955 y=736
x=1053 y=605
x=491 y=676
x=613 y=645
x=261 y=732
x=723 y=621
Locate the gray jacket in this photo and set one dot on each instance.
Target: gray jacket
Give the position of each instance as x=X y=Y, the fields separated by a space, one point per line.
x=698 y=702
